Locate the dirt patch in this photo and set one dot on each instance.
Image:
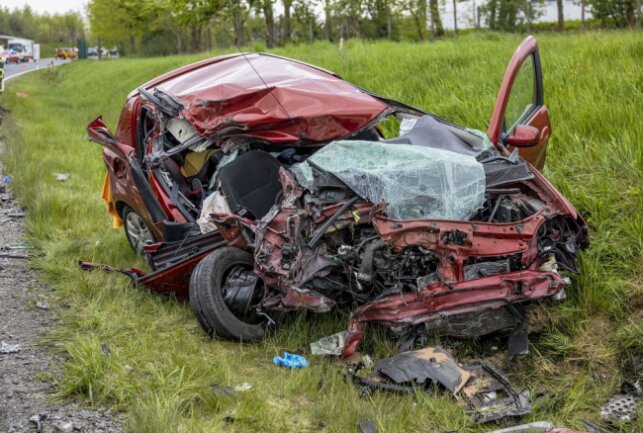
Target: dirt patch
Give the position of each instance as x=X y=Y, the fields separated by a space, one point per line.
x=26 y=316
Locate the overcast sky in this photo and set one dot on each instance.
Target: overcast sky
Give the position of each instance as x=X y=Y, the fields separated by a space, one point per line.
x=51 y=6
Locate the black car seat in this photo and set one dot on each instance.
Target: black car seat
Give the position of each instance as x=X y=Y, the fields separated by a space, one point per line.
x=251 y=183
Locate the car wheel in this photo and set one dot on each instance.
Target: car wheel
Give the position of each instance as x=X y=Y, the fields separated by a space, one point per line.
x=225 y=293
x=137 y=232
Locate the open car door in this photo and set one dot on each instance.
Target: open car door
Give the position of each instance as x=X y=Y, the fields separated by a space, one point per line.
x=99 y=133
x=520 y=118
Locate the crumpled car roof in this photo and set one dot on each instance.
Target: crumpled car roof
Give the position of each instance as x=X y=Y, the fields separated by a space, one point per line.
x=269 y=97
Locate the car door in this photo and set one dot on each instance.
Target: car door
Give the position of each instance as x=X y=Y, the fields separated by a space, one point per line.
x=129 y=181
x=520 y=118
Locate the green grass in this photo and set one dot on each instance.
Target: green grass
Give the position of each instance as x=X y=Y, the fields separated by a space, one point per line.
x=162 y=367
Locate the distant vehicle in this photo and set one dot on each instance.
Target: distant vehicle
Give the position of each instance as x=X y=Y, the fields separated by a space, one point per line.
x=66 y=53
x=92 y=53
x=13 y=57
x=24 y=50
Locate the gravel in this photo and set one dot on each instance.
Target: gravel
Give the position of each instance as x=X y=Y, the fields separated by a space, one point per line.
x=27 y=314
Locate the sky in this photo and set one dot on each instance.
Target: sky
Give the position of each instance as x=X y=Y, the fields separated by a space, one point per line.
x=51 y=6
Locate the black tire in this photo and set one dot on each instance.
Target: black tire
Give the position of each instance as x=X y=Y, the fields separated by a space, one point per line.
x=133 y=222
x=207 y=296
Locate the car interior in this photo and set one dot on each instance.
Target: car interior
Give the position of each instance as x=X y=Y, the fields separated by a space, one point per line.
x=246 y=175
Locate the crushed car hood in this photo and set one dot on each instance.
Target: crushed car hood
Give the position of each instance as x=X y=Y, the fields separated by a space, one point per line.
x=271 y=98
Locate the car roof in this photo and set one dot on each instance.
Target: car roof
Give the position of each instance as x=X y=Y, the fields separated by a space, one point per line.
x=274 y=98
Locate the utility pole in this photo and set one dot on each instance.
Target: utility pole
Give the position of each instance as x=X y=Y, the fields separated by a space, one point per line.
x=582 y=15
x=455 y=16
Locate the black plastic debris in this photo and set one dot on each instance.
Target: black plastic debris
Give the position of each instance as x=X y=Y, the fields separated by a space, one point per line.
x=483 y=391
x=418 y=366
x=106 y=350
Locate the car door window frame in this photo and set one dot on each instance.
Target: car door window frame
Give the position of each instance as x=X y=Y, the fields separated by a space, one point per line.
x=527 y=49
x=142 y=134
x=537 y=95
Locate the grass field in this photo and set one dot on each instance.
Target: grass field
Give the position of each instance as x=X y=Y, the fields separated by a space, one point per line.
x=162 y=366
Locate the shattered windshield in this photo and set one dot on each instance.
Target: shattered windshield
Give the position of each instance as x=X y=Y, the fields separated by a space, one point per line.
x=413 y=181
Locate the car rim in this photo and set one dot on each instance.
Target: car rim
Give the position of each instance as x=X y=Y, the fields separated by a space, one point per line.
x=137 y=231
x=242 y=292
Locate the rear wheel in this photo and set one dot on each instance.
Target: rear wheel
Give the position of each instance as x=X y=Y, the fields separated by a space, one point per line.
x=225 y=294
x=137 y=232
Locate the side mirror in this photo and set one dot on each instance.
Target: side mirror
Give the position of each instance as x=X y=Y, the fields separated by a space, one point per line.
x=524 y=136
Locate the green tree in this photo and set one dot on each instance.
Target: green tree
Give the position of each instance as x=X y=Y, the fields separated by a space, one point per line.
x=561 y=15
x=418 y=12
x=119 y=22
x=287 y=27
x=194 y=15
x=436 y=21
x=619 y=13
x=305 y=20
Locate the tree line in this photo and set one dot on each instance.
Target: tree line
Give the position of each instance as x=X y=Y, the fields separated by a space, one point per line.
x=176 y=26
x=161 y=27
x=54 y=29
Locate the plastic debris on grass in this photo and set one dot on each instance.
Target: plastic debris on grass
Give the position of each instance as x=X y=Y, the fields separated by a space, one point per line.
x=331 y=345
x=291 y=360
x=242 y=387
x=7 y=348
x=484 y=392
x=61 y=177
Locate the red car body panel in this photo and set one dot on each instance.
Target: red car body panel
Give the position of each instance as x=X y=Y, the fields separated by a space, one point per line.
x=286 y=102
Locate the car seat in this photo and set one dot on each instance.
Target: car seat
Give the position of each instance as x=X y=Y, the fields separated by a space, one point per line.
x=251 y=183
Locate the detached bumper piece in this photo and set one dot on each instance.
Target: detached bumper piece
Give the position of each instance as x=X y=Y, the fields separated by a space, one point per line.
x=483 y=391
x=172 y=264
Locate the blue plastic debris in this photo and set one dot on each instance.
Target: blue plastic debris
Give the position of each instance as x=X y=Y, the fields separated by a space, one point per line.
x=291 y=360
x=6 y=179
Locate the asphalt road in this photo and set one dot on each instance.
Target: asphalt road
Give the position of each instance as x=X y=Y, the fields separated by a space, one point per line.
x=13 y=70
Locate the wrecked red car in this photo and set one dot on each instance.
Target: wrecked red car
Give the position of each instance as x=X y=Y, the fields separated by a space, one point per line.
x=255 y=184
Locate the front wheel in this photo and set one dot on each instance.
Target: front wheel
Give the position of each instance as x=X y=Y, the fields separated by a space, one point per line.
x=225 y=294
x=137 y=232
